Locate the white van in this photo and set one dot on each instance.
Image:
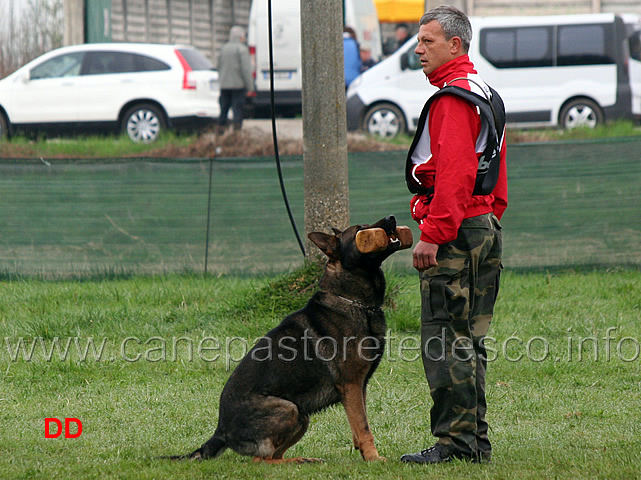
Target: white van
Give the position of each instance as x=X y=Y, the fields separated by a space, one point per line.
x=361 y=15
x=633 y=35
x=567 y=70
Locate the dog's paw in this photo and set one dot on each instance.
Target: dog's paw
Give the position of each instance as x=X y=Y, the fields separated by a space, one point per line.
x=371 y=455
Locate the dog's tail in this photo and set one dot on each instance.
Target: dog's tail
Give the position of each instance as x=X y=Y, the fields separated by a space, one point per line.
x=214 y=447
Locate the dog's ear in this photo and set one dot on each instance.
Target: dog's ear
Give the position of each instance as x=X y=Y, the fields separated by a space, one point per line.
x=336 y=231
x=327 y=243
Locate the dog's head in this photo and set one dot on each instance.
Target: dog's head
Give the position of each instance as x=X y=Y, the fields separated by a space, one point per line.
x=363 y=246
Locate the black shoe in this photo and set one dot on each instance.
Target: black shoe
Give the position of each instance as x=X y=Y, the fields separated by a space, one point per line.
x=439 y=454
x=435 y=454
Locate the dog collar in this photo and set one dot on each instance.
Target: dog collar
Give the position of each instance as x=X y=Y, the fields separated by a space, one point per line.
x=355 y=303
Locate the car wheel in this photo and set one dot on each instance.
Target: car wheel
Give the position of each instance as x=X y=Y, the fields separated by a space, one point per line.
x=385 y=120
x=581 y=113
x=143 y=123
x=4 y=127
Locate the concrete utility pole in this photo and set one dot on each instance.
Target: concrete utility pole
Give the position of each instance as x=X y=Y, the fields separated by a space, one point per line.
x=74 y=14
x=324 y=117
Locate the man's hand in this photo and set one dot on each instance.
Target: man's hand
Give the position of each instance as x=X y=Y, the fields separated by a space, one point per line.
x=424 y=255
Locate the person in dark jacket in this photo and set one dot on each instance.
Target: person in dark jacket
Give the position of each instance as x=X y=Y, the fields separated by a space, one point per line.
x=401 y=35
x=236 y=80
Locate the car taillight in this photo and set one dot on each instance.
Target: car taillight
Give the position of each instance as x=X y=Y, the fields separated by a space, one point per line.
x=189 y=83
x=252 y=54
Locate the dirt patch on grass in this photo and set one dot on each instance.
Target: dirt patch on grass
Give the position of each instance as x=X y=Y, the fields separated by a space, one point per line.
x=249 y=142
x=256 y=143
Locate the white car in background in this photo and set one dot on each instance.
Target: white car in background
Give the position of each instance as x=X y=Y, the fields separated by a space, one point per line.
x=139 y=89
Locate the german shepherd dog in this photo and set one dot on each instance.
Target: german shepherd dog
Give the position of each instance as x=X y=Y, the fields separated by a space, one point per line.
x=321 y=355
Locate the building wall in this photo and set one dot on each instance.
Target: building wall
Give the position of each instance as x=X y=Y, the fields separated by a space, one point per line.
x=204 y=24
x=550 y=7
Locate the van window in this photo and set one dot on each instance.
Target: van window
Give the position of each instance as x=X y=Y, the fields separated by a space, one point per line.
x=635 y=46
x=413 y=60
x=517 y=47
x=524 y=47
x=586 y=45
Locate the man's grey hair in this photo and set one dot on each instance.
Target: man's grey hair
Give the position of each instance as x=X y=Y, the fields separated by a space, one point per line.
x=453 y=22
x=237 y=33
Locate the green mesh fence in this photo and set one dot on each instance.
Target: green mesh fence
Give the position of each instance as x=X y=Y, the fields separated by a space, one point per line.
x=571 y=205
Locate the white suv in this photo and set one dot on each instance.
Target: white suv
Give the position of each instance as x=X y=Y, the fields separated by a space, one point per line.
x=137 y=88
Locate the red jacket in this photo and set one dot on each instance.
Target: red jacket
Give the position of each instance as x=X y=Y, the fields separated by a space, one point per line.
x=450 y=162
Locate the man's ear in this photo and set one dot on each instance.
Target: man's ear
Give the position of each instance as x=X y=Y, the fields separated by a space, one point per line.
x=327 y=243
x=456 y=45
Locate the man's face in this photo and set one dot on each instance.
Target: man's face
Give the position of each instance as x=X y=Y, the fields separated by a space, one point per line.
x=432 y=47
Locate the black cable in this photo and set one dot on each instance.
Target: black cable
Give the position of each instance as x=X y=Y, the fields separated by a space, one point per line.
x=274 y=136
x=211 y=169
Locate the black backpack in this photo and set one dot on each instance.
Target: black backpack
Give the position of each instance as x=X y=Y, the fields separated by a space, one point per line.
x=493 y=111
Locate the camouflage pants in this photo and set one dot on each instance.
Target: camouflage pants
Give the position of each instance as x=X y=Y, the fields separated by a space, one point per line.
x=457 y=299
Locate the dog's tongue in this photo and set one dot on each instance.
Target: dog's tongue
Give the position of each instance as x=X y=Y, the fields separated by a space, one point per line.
x=373 y=240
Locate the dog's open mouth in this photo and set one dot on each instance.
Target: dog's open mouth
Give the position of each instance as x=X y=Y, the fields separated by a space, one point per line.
x=372 y=240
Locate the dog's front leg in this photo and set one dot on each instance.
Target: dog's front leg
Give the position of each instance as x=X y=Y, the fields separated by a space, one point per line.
x=354 y=404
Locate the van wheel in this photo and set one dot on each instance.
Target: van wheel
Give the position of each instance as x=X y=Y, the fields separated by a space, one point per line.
x=143 y=123
x=581 y=113
x=385 y=120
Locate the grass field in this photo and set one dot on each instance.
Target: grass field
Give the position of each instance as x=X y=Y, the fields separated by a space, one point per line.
x=104 y=146
x=563 y=380
x=141 y=360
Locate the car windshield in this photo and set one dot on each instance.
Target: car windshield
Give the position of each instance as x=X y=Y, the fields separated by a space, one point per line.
x=195 y=59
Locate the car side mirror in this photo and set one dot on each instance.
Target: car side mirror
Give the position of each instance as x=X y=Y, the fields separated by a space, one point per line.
x=25 y=77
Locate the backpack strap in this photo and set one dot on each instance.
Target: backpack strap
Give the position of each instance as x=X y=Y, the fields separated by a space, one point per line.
x=493 y=112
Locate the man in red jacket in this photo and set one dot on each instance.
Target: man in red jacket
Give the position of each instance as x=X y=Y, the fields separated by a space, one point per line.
x=460 y=247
